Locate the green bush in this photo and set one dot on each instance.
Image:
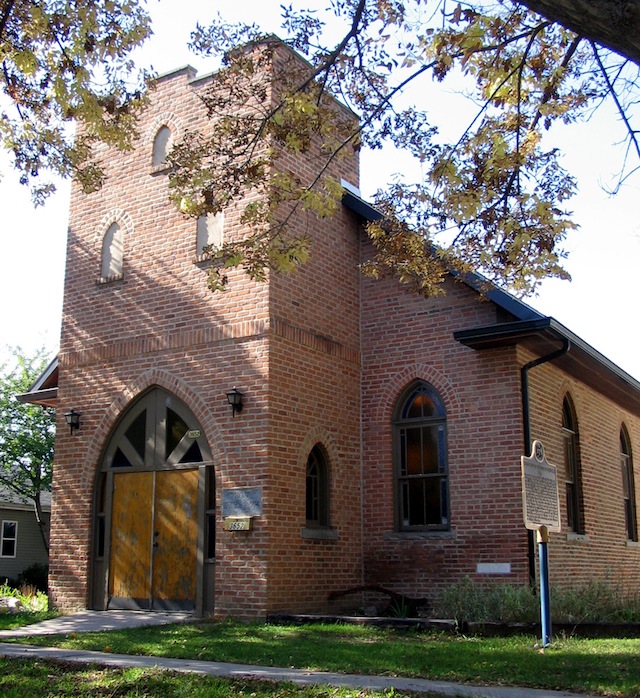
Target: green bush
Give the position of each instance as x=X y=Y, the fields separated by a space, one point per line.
x=466 y=601
x=36 y=575
x=596 y=601
x=32 y=600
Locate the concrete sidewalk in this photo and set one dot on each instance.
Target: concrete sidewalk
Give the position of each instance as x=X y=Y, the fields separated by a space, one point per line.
x=96 y=621
x=87 y=621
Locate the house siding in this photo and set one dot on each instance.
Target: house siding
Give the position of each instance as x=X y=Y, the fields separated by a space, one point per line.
x=30 y=548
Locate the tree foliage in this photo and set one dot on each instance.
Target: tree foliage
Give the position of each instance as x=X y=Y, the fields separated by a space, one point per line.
x=494 y=200
x=27 y=434
x=66 y=62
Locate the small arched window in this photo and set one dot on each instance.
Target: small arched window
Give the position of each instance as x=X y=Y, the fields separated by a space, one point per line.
x=161 y=145
x=628 y=486
x=317 y=489
x=209 y=232
x=112 y=253
x=573 y=486
x=422 y=479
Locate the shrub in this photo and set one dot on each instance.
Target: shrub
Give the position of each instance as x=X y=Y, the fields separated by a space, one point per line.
x=597 y=601
x=36 y=575
x=466 y=601
x=32 y=600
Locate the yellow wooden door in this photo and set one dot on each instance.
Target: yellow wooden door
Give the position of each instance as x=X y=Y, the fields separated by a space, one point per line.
x=131 y=526
x=175 y=539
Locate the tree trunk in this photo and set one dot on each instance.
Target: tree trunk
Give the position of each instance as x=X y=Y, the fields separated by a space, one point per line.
x=42 y=524
x=614 y=24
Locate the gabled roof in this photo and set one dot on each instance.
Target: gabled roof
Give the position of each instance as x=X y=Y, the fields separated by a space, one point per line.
x=538 y=333
x=45 y=389
x=11 y=500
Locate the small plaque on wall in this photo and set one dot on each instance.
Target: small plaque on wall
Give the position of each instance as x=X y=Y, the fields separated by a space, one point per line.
x=238 y=523
x=241 y=501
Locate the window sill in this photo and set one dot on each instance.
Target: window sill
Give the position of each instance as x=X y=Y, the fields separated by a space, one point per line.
x=633 y=544
x=319 y=533
x=419 y=535
x=578 y=537
x=109 y=279
x=159 y=169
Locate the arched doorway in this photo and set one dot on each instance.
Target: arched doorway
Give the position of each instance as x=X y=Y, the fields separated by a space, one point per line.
x=154 y=531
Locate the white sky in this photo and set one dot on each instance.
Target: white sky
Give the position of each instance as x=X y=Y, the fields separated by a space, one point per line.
x=599 y=304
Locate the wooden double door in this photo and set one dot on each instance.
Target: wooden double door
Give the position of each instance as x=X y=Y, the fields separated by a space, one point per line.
x=154 y=499
x=154 y=542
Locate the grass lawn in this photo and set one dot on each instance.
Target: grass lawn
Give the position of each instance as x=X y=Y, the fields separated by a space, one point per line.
x=606 y=666
x=8 y=621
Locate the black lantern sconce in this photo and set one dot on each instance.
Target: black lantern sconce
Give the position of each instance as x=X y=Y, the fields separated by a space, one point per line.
x=73 y=420
x=234 y=396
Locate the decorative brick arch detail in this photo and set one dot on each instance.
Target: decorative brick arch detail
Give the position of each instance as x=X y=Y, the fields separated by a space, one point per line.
x=116 y=215
x=319 y=435
x=387 y=400
x=171 y=121
x=149 y=379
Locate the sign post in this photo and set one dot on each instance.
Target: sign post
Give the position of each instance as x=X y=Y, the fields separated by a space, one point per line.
x=541 y=510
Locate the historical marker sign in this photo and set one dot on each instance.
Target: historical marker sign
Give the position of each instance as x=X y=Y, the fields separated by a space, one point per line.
x=540 y=500
x=241 y=501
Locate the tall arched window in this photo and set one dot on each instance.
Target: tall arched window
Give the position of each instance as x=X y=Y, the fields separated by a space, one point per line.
x=161 y=145
x=112 y=252
x=628 y=486
x=422 y=479
x=317 y=489
x=573 y=486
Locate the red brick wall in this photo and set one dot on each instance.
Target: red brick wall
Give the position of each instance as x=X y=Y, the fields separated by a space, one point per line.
x=158 y=325
x=288 y=345
x=603 y=552
x=405 y=338
x=314 y=396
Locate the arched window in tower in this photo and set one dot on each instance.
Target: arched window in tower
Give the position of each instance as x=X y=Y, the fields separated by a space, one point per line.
x=112 y=253
x=317 y=489
x=422 y=478
x=161 y=146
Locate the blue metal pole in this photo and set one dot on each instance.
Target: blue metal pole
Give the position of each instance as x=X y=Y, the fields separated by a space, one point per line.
x=545 y=605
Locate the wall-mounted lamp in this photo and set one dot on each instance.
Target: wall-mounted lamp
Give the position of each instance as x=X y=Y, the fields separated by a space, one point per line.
x=234 y=396
x=73 y=420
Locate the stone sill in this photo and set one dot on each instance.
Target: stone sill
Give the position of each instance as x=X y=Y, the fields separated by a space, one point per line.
x=419 y=535
x=330 y=534
x=578 y=537
x=109 y=279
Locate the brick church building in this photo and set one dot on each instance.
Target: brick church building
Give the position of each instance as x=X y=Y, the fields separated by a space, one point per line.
x=379 y=436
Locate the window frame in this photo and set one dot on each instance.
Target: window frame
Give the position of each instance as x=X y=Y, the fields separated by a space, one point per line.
x=161 y=147
x=318 y=498
x=572 y=467
x=628 y=486
x=112 y=252
x=4 y=538
x=204 y=237
x=402 y=422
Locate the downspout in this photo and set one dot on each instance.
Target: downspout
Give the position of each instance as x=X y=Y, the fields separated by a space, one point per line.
x=526 y=423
